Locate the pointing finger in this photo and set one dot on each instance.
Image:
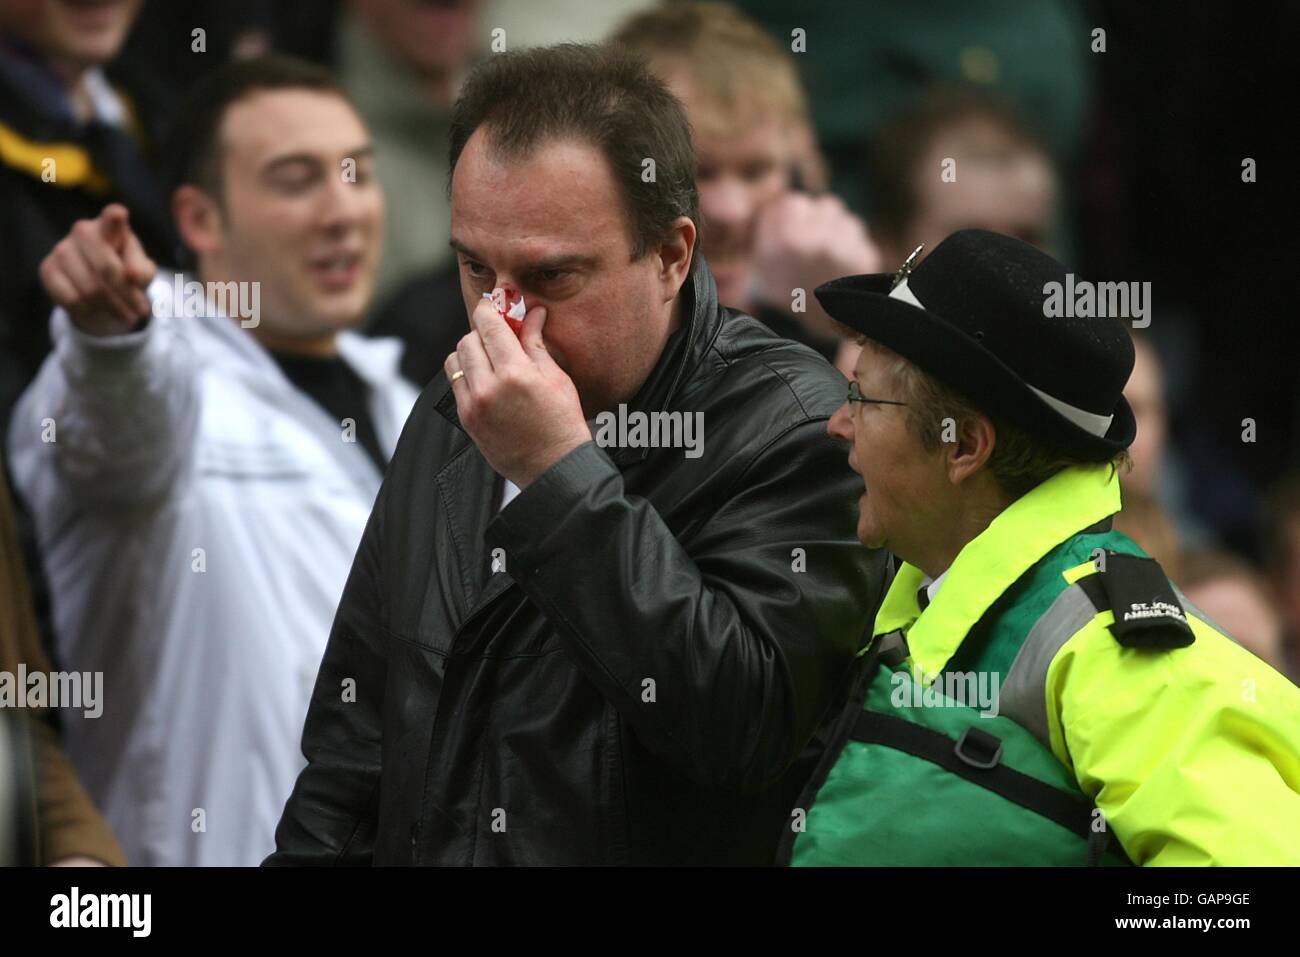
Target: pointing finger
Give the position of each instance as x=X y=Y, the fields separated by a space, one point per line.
x=90 y=267
x=140 y=269
x=113 y=225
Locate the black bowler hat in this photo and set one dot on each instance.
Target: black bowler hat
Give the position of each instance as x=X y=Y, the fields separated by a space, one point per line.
x=972 y=315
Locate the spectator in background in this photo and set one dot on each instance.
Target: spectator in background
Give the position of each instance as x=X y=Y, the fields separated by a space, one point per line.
x=863 y=62
x=955 y=159
x=1235 y=598
x=1000 y=178
x=529 y=23
x=71 y=140
x=1146 y=523
x=1157 y=473
x=765 y=238
x=402 y=63
x=1281 y=540
x=70 y=830
x=200 y=484
x=1145 y=392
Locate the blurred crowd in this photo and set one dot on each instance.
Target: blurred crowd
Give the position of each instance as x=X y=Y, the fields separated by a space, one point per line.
x=812 y=125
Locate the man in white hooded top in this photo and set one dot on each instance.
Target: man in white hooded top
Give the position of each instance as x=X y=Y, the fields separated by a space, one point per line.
x=201 y=471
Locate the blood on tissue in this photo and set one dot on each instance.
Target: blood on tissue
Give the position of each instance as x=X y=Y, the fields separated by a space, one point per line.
x=509 y=304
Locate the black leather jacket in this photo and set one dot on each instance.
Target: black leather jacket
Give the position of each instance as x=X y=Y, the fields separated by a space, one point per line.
x=644 y=680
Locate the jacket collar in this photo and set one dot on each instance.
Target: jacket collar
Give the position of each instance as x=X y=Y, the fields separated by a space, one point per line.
x=683 y=353
x=994 y=560
x=375 y=361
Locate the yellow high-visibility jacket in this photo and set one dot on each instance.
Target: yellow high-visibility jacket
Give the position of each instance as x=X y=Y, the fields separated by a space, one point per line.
x=1191 y=753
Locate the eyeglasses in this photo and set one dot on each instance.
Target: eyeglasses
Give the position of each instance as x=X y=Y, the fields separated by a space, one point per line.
x=855 y=395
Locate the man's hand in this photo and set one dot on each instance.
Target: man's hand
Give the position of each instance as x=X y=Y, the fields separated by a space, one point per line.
x=99 y=273
x=519 y=407
x=802 y=241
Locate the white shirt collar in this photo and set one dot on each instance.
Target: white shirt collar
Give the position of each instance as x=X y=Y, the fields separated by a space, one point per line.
x=103 y=98
x=931 y=585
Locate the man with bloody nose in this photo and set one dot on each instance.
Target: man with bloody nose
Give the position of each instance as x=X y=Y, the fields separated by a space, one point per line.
x=556 y=648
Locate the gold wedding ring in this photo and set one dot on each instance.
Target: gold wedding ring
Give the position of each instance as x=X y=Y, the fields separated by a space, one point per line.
x=458 y=374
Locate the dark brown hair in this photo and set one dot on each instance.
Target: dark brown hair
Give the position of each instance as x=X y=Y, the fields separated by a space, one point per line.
x=193 y=151
x=598 y=95
x=899 y=146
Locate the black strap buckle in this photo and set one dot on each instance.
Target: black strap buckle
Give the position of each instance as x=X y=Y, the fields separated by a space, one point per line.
x=979 y=749
x=893 y=649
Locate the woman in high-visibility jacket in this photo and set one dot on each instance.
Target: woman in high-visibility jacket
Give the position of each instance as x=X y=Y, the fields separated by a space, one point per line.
x=1034 y=690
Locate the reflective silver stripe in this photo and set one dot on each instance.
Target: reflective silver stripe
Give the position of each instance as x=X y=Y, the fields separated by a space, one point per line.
x=1023 y=697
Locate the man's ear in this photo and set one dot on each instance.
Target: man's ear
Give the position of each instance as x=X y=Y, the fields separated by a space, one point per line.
x=198 y=220
x=974 y=443
x=675 y=257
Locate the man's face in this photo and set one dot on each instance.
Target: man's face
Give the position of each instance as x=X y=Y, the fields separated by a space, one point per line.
x=738 y=173
x=74 y=33
x=302 y=211
x=1000 y=185
x=905 y=487
x=737 y=178
x=552 y=225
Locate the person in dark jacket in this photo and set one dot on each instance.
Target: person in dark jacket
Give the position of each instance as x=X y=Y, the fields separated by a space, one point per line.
x=555 y=648
x=78 y=130
x=75 y=134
